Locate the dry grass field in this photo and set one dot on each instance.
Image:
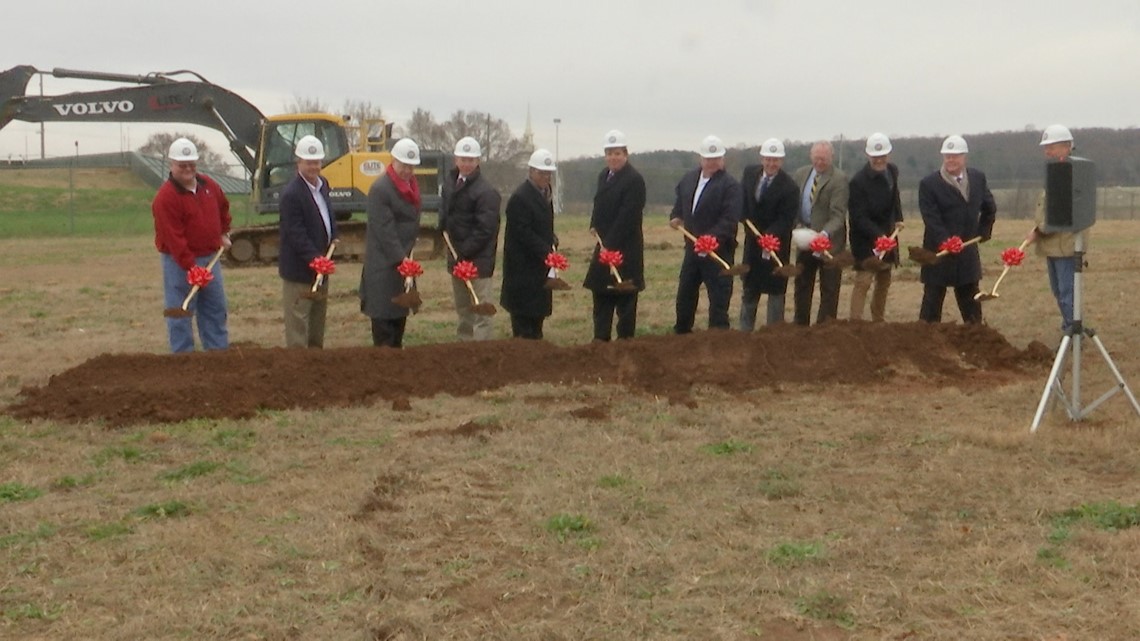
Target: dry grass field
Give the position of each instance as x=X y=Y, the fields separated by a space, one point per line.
x=912 y=507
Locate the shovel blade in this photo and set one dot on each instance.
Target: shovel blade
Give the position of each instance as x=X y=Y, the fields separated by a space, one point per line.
x=922 y=256
x=409 y=299
x=738 y=269
x=982 y=297
x=788 y=271
x=484 y=309
x=624 y=287
x=556 y=284
x=176 y=312
x=839 y=261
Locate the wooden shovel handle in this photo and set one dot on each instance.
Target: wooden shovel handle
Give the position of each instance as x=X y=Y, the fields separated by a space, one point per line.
x=328 y=254
x=209 y=268
x=966 y=244
x=613 y=270
x=756 y=232
x=713 y=254
x=1021 y=247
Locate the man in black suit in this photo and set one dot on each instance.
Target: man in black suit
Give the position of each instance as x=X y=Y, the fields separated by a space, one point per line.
x=307 y=227
x=619 y=205
x=770 y=203
x=528 y=238
x=954 y=201
x=708 y=203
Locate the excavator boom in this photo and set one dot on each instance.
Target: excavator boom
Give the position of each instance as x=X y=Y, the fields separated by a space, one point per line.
x=158 y=98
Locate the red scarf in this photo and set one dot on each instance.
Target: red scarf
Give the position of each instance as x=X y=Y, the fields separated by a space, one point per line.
x=409 y=189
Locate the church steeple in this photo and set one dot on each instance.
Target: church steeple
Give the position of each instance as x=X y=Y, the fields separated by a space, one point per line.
x=528 y=133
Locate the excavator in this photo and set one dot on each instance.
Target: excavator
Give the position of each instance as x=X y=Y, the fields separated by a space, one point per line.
x=356 y=153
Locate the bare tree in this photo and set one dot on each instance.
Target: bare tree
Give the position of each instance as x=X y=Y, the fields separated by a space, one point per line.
x=158 y=144
x=427 y=133
x=305 y=104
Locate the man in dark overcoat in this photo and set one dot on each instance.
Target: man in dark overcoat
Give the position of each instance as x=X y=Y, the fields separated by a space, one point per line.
x=528 y=238
x=393 y=225
x=470 y=215
x=619 y=206
x=307 y=227
x=874 y=210
x=708 y=202
x=770 y=203
x=954 y=201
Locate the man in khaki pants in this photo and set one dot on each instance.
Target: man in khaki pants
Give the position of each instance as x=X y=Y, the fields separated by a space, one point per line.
x=308 y=225
x=874 y=210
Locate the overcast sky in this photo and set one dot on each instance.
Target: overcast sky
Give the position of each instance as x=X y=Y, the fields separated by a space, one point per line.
x=665 y=72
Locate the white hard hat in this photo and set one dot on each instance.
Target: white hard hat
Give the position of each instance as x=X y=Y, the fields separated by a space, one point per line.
x=712 y=147
x=802 y=237
x=954 y=145
x=542 y=159
x=183 y=150
x=467 y=147
x=879 y=145
x=406 y=151
x=772 y=148
x=1056 y=133
x=310 y=148
x=614 y=138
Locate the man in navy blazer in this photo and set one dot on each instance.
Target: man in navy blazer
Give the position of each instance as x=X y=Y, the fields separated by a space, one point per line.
x=308 y=225
x=954 y=201
x=708 y=203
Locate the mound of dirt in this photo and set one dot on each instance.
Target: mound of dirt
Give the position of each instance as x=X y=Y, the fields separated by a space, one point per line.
x=124 y=389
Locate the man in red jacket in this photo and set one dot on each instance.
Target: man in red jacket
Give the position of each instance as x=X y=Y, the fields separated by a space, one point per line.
x=191 y=222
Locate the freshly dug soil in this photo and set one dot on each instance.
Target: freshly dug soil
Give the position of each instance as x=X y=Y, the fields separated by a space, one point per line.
x=125 y=389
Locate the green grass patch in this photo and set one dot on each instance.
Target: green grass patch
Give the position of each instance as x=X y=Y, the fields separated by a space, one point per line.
x=790 y=553
x=234 y=439
x=191 y=471
x=12 y=492
x=32 y=611
x=73 y=483
x=1110 y=515
x=777 y=485
x=42 y=531
x=1052 y=557
x=824 y=606
x=564 y=526
x=726 y=448
x=104 y=531
x=126 y=453
x=166 y=510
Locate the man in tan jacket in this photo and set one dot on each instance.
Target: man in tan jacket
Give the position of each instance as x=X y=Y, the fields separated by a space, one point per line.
x=1059 y=249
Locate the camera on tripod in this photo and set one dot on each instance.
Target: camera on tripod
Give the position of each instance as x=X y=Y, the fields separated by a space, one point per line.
x=1070 y=195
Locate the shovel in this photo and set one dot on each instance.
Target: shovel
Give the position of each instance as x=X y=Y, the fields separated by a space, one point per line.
x=782 y=270
x=553 y=281
x=924 y=256
x=992 y=294
x=313 y=294
x=184 y=311
x=728 y=270
x=874 y=263
x=411 y=296
x=620 y=286
x=482 y=309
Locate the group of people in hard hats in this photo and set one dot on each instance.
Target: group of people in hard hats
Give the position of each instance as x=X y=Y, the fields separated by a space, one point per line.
x=793 y=226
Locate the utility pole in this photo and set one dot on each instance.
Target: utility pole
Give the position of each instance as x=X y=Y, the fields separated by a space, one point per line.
x=71 y=190
x=42 y=154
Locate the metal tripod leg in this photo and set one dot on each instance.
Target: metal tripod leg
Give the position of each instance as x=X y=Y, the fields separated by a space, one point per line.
x=1052 y=385
x=1054 y=389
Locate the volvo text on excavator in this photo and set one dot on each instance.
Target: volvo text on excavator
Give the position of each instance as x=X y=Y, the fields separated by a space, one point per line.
x=356 y=153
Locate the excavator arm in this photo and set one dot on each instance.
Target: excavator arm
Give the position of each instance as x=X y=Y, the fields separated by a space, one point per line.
x=159 y=97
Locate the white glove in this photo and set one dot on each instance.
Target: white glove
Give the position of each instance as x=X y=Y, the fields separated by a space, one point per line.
x=552 y=273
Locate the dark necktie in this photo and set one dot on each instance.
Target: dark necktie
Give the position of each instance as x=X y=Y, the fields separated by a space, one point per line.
x=610 y=176
x=815 y=188
x=459 y=182
x=763 y=187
